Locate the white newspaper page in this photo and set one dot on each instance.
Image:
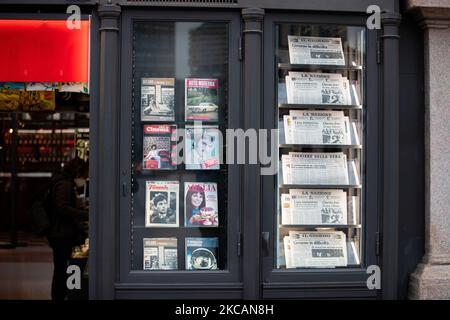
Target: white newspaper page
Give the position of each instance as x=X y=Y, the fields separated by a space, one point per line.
x=318 y=168
x=316 y=50
x=309 y=206
x=319 y=127
x=325 y=249
x=316 y=88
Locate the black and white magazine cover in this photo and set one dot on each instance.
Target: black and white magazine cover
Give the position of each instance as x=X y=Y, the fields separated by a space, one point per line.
x=161 y=204
x=157 y=99
x=160 y=254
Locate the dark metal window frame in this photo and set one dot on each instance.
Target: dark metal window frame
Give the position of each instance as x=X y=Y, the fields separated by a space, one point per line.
x=349 y=282
x=224 y=282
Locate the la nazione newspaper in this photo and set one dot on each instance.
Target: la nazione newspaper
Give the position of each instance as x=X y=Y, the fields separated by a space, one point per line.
x=315 y=168
x=317 y=127
x=316 y=50
x=307 y=249
x=317 y=88
x=310 y=206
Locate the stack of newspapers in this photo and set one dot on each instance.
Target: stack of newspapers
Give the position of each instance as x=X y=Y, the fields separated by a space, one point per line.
x=320 y=88
x=317 y=127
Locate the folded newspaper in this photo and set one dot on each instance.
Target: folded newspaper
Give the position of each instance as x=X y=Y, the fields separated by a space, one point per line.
x=317 y=88
x=308 y=249
x=317 y=127
x=316 y=50
x=315 y=207
x=315 y=168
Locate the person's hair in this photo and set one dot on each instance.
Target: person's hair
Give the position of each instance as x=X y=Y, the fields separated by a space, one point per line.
x=158 y=198
x=189 y=206
x=153 y=146
x=77 y=168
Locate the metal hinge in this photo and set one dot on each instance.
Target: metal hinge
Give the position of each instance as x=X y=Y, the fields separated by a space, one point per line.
x=241 y=48
x=239 y=244
x=378 y=243
x=379 y=49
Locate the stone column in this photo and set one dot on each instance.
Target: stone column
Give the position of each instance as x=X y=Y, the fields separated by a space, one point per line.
x=431 y=279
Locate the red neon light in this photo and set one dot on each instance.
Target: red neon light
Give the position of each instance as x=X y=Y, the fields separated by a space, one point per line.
x=43 y=51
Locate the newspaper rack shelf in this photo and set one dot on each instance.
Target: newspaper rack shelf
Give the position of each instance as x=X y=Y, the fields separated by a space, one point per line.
x=318 y=106
x=319 y=186
x=310 y=67
x=321 y=226
x=319 y=146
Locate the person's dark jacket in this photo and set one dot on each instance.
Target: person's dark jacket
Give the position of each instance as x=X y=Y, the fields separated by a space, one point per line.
x=65 y=218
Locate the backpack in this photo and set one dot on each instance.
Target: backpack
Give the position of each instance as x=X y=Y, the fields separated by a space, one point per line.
x=39 y=214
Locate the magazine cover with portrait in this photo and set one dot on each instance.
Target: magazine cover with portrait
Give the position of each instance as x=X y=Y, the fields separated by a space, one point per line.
x=160 y=254
x=201 y=253
x=159 y=147
x=202 y=147
x=200 y=204
x=161 y=204
x=157 y=99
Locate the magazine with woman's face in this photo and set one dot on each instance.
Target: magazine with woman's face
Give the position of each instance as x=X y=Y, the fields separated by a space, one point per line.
x=200 y=204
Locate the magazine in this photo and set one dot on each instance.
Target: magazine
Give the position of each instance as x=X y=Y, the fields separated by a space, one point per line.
x=201 y=99
x=315 y=50
x=157 y=99
x=200 y=204
x=309 y=206
x=159 y=147
x=307 y=249
x=161 y=204
x=160 y=254
x=201 y=253
x=202 y=147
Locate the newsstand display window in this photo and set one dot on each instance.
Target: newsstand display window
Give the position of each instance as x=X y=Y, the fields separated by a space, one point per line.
x=179 y=184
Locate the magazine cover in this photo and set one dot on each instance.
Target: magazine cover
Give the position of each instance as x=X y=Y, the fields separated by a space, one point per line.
x=201 y=99
x=159 y=147
x=161 y=204
x=160 y=254
x=201 y=253
x=200 y=204
x=202 y=147
x=158 y=99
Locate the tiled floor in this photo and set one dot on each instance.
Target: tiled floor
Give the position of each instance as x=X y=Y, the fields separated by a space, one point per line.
x=26 y=272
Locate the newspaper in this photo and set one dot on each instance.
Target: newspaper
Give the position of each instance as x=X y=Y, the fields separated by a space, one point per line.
x=309 y=206
x=315 y=50
x=317 y=88
x=315 y=168
x=317 y=127
x=326 y=249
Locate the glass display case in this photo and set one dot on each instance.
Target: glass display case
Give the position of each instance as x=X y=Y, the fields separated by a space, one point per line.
x=319 y=105
x=182 y=212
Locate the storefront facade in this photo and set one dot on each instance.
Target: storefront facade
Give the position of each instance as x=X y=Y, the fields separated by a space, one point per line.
x=243 y=48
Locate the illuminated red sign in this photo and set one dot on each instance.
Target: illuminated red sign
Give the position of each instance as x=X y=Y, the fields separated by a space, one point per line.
x=43 y=51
